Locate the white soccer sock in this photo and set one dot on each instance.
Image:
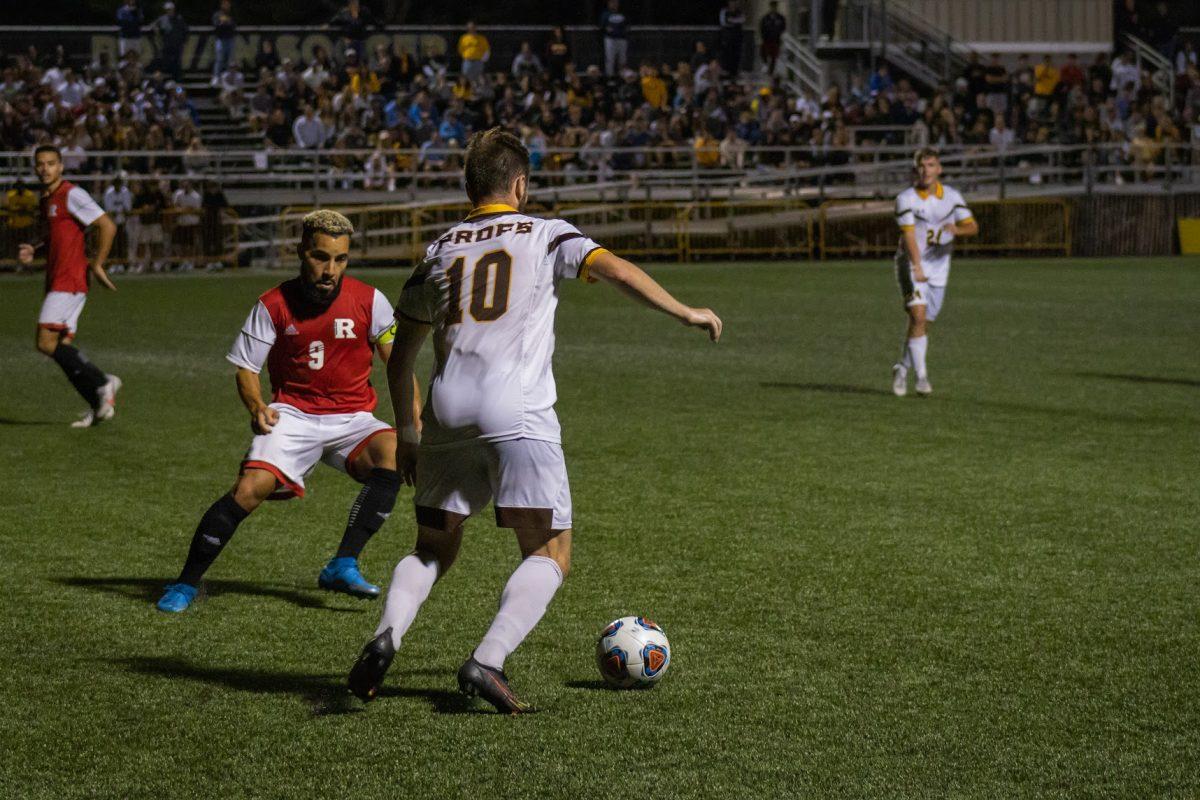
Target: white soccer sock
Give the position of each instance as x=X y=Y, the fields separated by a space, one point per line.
x=916 y=355
x=522 y=604
x=412 y=581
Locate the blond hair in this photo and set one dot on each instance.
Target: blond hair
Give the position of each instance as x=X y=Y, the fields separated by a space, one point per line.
x=326 y=221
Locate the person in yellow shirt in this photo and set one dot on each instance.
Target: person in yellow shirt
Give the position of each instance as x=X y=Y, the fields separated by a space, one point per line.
x=708 y=152
x=474 y=50
x=20 y=207
x=654 y=89
x=1045 y=78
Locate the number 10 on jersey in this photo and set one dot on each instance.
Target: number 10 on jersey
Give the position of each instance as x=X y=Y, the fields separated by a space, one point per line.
x=494 y=267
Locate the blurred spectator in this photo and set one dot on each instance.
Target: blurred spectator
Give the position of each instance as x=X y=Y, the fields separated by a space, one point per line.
x=770 y=31
x=732 y=21
x=881 y=81
x=213 y=204
x=224 y=31
x=231 y=95
x=558 y=54
x=1001 y=137
x=1071 y=75
x=185 y=241
x=117 y=202
x=129 y=27
x=1124 y=72
x=474 y=50
x=526 y=62
x=172 y=30
x=996 y=76
x=309 y=130
x=266 y=57
x=352 y=23
x=613 y=28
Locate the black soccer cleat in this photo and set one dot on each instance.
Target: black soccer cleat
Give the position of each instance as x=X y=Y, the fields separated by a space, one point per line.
x=366 y=676
x=476 y=680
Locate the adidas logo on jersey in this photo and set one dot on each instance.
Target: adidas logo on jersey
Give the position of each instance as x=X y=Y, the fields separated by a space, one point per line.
x=291 y=331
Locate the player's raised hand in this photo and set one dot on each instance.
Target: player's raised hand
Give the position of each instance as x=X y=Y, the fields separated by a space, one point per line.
x=263 y=420
x=707 y=320
x=25 y=254
x=102 y=276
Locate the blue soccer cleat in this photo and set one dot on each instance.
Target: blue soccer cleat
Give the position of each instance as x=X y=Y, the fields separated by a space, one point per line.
x=342 y=575
x=176 y=597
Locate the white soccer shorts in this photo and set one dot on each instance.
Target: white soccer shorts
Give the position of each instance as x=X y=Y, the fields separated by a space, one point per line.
x=299 y=440
x=929 y=296
x=527 y=478
x=61 y=310
x=918 y=293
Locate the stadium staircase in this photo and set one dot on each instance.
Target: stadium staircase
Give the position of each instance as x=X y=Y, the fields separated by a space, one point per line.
x=909 y=44
x=218 y=130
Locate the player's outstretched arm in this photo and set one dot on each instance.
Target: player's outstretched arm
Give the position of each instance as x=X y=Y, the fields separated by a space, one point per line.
x=108 y=234
x=402 y=386
x=262 y=416
x=634 y=282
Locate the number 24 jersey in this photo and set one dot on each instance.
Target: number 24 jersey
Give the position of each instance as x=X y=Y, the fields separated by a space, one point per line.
x=490 y=287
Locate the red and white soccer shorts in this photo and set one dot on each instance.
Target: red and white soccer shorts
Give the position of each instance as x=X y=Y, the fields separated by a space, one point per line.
x=299 y=440
x=526 y=478
x=61 y=310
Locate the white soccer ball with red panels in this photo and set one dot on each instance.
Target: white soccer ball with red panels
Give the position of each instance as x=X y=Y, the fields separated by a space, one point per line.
x=633 y=652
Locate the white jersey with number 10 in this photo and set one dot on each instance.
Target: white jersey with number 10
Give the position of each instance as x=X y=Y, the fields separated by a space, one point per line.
x=489 y=287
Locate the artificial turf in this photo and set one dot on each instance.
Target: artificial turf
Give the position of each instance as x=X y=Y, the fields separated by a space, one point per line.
x=989 y=593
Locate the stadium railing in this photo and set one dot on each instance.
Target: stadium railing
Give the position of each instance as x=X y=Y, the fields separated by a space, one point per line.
x=170 y=239
x=282 y=177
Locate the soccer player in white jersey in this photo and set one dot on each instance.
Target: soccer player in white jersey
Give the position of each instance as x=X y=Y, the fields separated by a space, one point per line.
x=488 y=290
x=931 y=216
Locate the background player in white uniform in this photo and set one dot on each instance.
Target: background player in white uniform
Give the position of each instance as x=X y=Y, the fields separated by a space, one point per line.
x=489 y=289
x=930 y=215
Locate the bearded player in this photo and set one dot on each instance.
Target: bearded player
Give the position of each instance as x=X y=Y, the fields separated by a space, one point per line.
x=67 y=211
x=317 y=334
x=931 y=216
x=488 y=290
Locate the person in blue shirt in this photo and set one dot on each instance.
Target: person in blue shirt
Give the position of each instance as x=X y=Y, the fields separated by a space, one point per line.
x=614 y=25
x=451 y=128
x=129 y=27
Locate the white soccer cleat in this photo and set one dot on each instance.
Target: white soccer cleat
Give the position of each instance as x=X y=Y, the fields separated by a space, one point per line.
x=86 y=420
x=923 y=387
x=899 y=381
x=108 y=399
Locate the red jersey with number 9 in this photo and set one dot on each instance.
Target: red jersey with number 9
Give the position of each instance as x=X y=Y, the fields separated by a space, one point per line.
x=320 y=361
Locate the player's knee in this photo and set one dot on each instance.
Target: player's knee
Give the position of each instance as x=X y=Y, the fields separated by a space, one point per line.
x=46 y=345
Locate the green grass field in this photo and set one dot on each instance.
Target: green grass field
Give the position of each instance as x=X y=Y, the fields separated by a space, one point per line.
x=994 y=592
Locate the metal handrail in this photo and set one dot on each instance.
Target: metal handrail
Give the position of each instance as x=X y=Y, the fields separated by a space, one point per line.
x=1164 y=73
x=802 y=68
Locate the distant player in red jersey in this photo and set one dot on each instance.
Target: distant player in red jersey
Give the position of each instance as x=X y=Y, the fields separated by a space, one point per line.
x=317 y=334
x=67 y=211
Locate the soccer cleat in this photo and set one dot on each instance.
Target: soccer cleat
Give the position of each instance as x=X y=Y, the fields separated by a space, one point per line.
x=366 y=676
x=86 y=420
x=342 y=575
x=108 y=398
x=176 y=597
x=477 y=680
x=899 y=381
x=923 y=387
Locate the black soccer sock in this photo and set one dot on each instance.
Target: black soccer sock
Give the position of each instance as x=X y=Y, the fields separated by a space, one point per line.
x=85 y=376
x=212 y=534
x=370 y=511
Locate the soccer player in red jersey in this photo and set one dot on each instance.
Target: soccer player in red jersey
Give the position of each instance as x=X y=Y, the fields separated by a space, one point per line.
x=317 y=334
x=67 y=212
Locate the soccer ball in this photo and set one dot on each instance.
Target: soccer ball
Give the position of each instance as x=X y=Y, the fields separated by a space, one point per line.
x=633 y=652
